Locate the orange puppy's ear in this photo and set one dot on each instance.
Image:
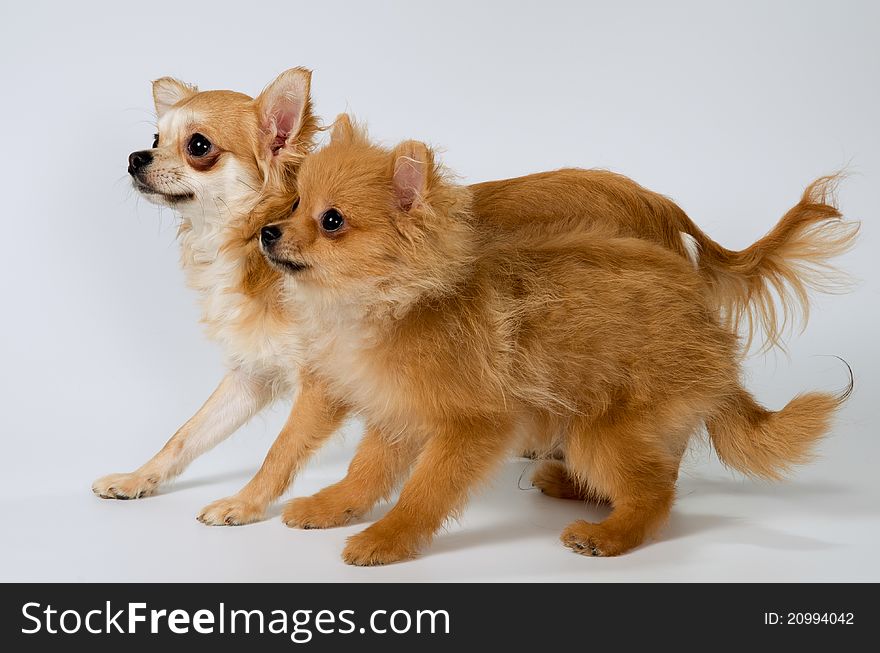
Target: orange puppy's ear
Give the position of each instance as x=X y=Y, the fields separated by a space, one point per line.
x=412 y=166
x=284 y=107
x=343 y=131
x=346 y=131
x=168 y=91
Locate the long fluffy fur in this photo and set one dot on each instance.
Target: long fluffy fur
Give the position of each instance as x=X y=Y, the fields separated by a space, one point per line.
x=763 y=289
x=768 y=444
x=766 y=287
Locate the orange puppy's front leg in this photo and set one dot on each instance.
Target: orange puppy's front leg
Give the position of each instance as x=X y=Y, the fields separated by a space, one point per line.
x=373 y=474
x=312 y=420
x=451 y=463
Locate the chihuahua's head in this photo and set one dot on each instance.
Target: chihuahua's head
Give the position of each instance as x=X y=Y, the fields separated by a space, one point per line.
x=215 y=150
x=366 y=223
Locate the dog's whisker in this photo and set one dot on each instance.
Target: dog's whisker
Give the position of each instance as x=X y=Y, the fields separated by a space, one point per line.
x=247 y=185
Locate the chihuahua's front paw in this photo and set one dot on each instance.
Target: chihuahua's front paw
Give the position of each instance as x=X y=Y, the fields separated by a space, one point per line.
x=378 y=546
x=316 y=512
x=125 y=486
x=231 y=511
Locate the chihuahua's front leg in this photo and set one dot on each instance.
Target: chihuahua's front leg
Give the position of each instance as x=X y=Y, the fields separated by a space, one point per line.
x=451 y=463
x=313 y=418
x=239 y=397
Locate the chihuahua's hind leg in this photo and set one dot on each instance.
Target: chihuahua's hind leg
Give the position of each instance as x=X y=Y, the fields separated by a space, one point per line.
x=312 y=420
x=238 y=398
x=633 y=461
x=374 y=472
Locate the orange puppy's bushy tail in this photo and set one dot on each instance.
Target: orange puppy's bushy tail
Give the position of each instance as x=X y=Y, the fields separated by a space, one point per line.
x=766 y=286
x=765 y=443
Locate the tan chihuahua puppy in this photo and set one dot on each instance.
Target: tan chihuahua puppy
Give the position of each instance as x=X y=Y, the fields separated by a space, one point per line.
x=451 y=338
x=213 y=154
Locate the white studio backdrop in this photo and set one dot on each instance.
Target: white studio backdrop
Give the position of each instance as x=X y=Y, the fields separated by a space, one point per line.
x=729 y=108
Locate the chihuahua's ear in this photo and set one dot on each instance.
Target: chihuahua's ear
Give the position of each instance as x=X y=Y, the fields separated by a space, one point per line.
x=284 y=109
x=412 y=167
x=168 y=91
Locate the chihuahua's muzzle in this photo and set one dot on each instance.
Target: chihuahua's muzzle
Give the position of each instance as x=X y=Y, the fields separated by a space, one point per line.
x=141 y=167
x=137 y=161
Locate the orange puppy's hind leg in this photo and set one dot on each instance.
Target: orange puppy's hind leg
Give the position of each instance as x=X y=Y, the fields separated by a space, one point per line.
x=312 y=420
x=451 y=463
x=629 y=460
x=554 y=480
x=374 y=472
x=540 y=454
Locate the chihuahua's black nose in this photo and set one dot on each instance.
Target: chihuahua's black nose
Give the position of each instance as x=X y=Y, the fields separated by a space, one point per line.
x=270 y=234
x=138 y=160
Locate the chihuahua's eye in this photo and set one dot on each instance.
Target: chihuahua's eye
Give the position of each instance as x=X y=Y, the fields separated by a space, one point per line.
x=198 y=145
x=332 y=220
x=155 y=141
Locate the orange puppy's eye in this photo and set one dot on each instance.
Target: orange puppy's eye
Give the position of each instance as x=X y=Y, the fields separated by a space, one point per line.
x=294 y=206
x=198 y=146
x=332 y=221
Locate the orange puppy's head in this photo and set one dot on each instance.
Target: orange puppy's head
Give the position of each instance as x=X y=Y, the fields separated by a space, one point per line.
x=366 y=223
x=215 y=150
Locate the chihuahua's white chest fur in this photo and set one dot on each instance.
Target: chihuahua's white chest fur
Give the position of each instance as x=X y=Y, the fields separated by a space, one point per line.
x=250 y=334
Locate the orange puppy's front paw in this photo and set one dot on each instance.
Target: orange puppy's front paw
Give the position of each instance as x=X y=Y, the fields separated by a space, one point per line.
x=232 y=511
x=316 y=512
x=595 y=540
x=125 y=486
x=378 y=546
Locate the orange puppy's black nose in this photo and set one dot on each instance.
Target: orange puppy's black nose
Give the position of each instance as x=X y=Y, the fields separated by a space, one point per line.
x=269 y=235
x=138 y=160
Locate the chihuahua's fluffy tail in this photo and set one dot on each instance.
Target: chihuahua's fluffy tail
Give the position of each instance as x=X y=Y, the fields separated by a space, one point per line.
x=766 y=444
x=765 y=287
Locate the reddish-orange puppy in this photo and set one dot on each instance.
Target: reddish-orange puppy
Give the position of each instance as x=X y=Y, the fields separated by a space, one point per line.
x=452 y=338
